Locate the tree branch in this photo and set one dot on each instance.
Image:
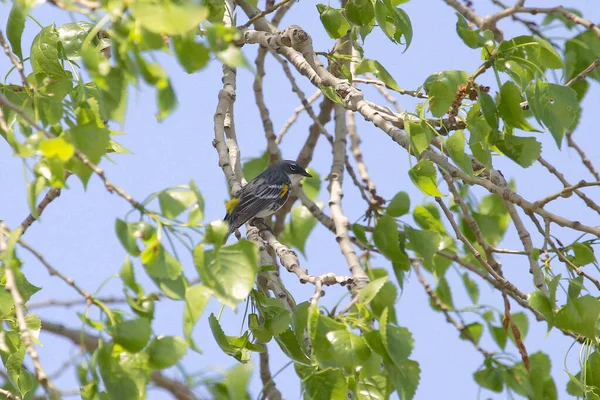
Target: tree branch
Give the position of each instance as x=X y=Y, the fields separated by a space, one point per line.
x=336 y=178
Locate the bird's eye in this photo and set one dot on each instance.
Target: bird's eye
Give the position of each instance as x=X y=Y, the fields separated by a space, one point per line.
x=292 y=167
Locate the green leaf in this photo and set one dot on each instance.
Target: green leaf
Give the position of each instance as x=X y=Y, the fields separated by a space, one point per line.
x=522 y=323
x=91 y=140
x=474 y=331
x=126 y=234
x=555 y=106
x=331 y=94
x=229 y=270
x=367 y=65
x=575 y=287
x=26 y=289
x=385 y=237
x=489 y=109
x=471 y=37
x=360 y=12
x=172 y=288
x=350 y=350
x=441 y=88
x=385 y=299
x=237 y=379
x=584 y=254
x=133 y=334
x=579 y=316
x=580 y=52
x=258 y=330
x=394 y=22
x=532 y=52
x=444 y=293
x=509 y=108
x=499 y=335
x=472 y=288
x=167 y=100
x=288 y=342
x=196 y=299
x=44 y=52
x=368 y=293
x=420 y=134
x=334 y=21
x=174 y=202
x=586 y=383
x=277 y=317
x=300 y=319
x=456 y=148
x=424 y=243
x=14 y=29
x=159 y=263
x=301 y=225
x=231 y=345
x=492 y=218
x=397 y=341
x=169 y=17
x=327 y=384
x=424 y=176
x=490 y=378
x=113 y=98
x=522 y=150
x=320 y=327
x=216 y=10
x=399 y=205
x=253 y=167
x=312 y=186
x=117 y=380
x=165 y=351
x=428 y=217
x=57 y=147
x=192 y=56
x=72 y=36
x=128 y=276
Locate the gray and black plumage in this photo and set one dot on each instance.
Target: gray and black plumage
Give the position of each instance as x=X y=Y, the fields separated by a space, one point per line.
x=264 y=195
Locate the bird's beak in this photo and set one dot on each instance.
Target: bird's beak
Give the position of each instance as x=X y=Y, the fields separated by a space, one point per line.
x=304 y=173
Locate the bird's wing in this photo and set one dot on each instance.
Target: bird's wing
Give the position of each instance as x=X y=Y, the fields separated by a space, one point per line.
x=256 y=197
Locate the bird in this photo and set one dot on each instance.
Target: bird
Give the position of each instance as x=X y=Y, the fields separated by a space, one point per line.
x=264 y=195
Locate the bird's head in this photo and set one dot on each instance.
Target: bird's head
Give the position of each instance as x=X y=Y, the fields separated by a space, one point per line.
x=294 y=171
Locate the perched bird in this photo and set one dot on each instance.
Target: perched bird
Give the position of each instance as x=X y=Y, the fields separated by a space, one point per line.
x=264 y=195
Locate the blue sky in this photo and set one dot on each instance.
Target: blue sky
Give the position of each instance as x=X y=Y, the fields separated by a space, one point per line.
x=76 y=233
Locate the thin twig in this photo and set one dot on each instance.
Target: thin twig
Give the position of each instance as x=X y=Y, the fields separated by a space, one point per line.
x=566 y=192
x=586 y=161
x=287 y=125
x=262 y=14
x=436 y=300
x=15 y=62
x=553 y=170
x=73 y=302
x=371 y=81
x=50 y=196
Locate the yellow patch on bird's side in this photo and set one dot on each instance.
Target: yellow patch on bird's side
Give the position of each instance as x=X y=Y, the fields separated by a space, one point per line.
x=284 y=190
x=232 y=204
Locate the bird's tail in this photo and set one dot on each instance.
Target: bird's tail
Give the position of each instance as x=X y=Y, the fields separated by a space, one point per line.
x=231 y=228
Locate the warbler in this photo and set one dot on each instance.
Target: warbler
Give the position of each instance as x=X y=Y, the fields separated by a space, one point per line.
x=264 y=195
